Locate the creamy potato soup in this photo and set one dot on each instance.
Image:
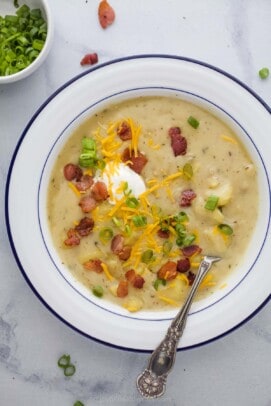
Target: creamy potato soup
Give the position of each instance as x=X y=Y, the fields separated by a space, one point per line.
x=141 y=191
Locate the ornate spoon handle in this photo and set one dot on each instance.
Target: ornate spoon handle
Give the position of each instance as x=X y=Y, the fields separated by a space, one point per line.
x=152 y=382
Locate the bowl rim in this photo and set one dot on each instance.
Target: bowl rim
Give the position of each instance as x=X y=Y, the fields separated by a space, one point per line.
x=42 y=55
x=13 y=161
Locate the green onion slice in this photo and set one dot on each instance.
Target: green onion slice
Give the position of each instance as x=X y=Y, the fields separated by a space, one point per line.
x=147 y=256
x=181 y=217
x=69 y=370
x=264 y=73
x=211 y=202
x=193 y=122
x=106 y=234
x=98 y=291
x=132 y=202
x=78 y=403
x=167 y=247
x=158 y=282
x=188 y=240
x=225 y=229
x=139 y=221
x=117 y=221
x=188 y=171
x=64 y=361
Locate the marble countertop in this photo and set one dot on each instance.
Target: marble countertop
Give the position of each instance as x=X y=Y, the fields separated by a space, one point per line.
x=232 y=35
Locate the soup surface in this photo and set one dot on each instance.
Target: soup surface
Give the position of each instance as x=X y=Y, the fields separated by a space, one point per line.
x=141 y=191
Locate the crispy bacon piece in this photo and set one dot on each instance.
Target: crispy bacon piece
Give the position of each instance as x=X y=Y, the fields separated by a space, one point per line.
x=191 y=250
x=178 y=142
x=183 y=265
x=89 y=59
x=191 y=277
x=85 y=226
x=186 y=197
x=163 y=233
x=135 y=279
x=99 y=191
x=85 y=182
x=87 y=204
x=136 y=163
x=124 y=131
x=122 y=289
x=73 y=238
x=125 y=253
x=106 y=14
x=168 y=271
x=94 y=265
x=117 y=244
x=72 y=172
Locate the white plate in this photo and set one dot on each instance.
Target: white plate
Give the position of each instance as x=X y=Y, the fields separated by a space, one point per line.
x=248 y=288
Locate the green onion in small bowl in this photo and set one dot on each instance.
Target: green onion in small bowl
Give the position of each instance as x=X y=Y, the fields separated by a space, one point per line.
x=26 y=33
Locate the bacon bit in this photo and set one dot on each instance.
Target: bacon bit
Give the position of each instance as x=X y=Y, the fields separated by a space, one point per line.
x=89 y=59
x=72 y=172
x=168 y=271
x=137 y=162
x=136 y=280
x=191 y=277
x=87 y=204
x=94 y=265
x=106 y=14
x=191 y=250
x=125 y=253
x=186 y=197
x=122 y=289
x=99 y=191
x=163 y=233
x=178 y=142
x=183 y=265
x=124 y=131
x=85 y=226
x=117 y=244
x=72 y=239
x=85 y=182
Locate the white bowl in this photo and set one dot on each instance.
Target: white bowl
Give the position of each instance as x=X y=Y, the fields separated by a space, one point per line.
x=248 y=287
x=7 y=7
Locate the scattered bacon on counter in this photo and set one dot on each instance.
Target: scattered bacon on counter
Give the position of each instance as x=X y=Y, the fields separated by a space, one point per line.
x=89 y=59
x=87 y=203
x=135 y=279
x=85 y=226
x=183 y=265
x=122 y=289
x=85 y=182
x=94 y=265
x=136 y=163
x=163 y=233
x=168 y=271
x=191 y=277
x=186 y=197
x=191 y=250
x=72 y=172
x=73 y=238
x=99 y=191
x=124 y=131
x=106 y=14
x=178 y=142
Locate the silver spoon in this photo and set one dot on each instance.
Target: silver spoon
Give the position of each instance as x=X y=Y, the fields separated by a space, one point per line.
x=151 y=383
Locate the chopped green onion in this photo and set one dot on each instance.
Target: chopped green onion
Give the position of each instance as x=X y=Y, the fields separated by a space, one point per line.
x=180 y=229
x=78 y=403
x=18 y=34
x=181 y=217
x=98 y=291
x=188 y=240
x=164 y=224
x=193 y=122
x=167 y=247
x=106 y=234
x=139 y=221
x=69 y=370
x=64 y=361
x=147 y=256
x=159 y=282
x=211 y=203
x=126 y=190
x=117 y=221
x=264 y=73
x=132 y=202
x=188 y=171
x=127 y=230
x=225 y=229
x=88 y=157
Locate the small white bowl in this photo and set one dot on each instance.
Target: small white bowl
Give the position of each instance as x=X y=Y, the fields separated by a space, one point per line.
x=7 y=7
